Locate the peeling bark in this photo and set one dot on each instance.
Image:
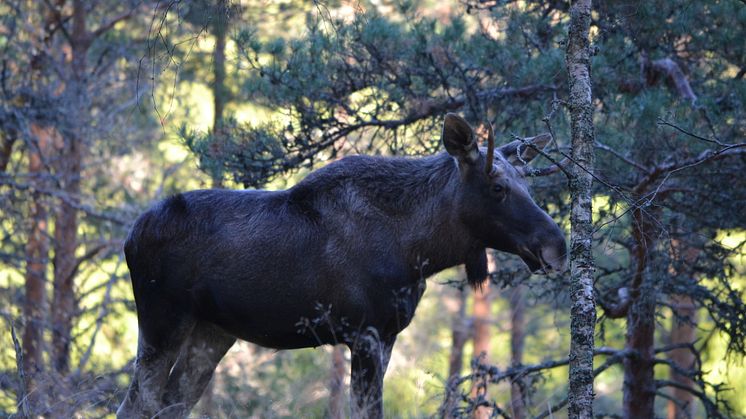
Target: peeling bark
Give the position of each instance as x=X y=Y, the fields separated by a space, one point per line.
x=583 y=310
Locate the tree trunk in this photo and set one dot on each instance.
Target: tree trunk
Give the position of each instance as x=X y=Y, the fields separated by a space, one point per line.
x=459 y=335
x=482 y=320
x=517 y=342
x=683 y=330
x=66 y=220
x=481 y=332
x=218 y=57
x=639 y=374
x=219 y=90
x=583 y=309
x=336 y=383
x=37 y=254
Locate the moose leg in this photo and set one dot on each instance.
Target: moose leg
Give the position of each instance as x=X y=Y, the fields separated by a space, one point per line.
x=370 y=358
x=155 y=356
x=199 y=356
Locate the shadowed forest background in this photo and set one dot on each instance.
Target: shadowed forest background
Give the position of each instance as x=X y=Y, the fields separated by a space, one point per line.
x=108 y=106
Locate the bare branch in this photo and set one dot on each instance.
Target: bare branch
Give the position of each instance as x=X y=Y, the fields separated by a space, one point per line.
x=662 y=121
x=710 y=406
x=627 y=160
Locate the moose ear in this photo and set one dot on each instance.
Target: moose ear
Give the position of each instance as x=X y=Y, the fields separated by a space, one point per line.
x=459 y=139
x=519 y=153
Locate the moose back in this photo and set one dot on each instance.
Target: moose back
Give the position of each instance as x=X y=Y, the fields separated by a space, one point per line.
x=341 y=257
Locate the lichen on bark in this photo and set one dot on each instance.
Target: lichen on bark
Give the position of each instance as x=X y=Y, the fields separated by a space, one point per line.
x=583 y=310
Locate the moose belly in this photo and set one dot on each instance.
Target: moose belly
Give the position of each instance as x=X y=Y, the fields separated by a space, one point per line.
x=300 y=315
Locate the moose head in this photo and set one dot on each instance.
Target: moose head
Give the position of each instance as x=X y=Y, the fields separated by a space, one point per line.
x=495 y=203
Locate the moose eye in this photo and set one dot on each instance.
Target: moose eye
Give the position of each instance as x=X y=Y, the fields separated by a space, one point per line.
x=498 y=188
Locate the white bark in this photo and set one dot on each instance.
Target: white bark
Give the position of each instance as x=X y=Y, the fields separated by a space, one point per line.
x=583 y=311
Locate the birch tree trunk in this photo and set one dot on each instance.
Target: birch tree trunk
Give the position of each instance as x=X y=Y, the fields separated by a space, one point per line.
x=583 y=311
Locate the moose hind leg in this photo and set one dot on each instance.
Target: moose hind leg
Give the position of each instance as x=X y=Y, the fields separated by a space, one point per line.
x=199 y=355
x=143 y=399
x=160 y=338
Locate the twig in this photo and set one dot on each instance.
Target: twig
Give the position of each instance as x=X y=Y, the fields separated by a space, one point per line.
x=663 y=122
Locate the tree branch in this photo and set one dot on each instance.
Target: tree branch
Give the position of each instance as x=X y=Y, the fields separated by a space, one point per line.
x=113 y=21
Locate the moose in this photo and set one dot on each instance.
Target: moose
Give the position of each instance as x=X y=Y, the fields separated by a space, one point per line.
x=340 y=258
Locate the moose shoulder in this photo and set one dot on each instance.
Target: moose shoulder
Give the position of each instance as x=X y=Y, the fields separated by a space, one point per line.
x=339 y=258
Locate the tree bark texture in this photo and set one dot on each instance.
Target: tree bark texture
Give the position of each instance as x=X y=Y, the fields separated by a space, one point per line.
x=517 y=343
x=583 y=310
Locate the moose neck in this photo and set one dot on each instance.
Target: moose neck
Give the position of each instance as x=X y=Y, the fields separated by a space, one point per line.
x=417 y=198
x=432 y=232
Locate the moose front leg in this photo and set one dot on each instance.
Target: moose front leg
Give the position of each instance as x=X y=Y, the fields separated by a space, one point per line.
x=370 y=358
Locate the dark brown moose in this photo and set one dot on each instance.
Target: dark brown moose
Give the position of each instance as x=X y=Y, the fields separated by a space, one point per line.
x=341 y=257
